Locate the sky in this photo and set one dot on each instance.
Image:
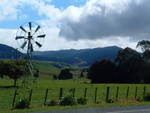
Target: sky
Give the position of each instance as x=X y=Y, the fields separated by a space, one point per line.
x=77 y=24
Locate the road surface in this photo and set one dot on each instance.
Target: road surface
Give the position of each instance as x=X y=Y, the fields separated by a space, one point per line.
x=133 y=109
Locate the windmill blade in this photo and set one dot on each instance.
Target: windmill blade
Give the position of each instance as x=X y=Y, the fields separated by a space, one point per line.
x=23 y=29
x=24 y=44
x=19 y=37
x=37 y=28
x=30 y=25
x=38 y=44
x=41 y=36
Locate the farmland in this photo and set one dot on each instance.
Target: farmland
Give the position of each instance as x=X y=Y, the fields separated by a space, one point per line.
x=39 y=88
x=45 y=81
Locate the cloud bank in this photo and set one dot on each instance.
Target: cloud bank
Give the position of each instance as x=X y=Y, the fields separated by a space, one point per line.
x=101 y=19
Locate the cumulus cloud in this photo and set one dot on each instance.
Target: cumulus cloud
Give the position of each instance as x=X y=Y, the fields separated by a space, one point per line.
x=8 y=9
x=7 y=37
x=101 y=19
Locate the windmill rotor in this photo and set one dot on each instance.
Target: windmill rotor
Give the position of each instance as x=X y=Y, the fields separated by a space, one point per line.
x=30 y=37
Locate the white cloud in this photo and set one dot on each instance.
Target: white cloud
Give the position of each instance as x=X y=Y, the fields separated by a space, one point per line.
x=8 y=9
x=8 y=37
x=100 y=19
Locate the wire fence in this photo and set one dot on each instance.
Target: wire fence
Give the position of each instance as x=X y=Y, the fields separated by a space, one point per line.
x=92 y=94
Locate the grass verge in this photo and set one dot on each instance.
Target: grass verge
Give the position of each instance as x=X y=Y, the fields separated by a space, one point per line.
x=45 y=108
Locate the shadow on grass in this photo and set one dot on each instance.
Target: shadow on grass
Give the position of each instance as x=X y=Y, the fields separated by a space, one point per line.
x=10 y=87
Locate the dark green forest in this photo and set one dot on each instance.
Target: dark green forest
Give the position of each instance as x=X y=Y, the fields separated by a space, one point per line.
x=129 y=66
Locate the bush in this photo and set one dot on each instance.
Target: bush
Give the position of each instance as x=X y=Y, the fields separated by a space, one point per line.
x=65 y=74
x=52 y=103
x=69 y=100
x=22 y=104
x=110 y=101
x=139 y=99
x=82 y=100
x=147 y=97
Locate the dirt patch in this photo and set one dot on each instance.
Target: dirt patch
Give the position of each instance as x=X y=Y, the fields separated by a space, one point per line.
x=127 y=100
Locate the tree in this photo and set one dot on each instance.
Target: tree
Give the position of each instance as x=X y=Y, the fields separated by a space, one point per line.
x=82 y=74
x=13 y=69
x=146 y=55
x=102 y=72
x=65 y=74
x=54 y=77
x=129 y=63
x=145 y=47
x=1 y=68
x=125 y=55
x=128 y=67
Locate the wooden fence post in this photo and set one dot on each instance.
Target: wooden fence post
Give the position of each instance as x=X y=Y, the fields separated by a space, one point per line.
x=45 y=98
x=117 y=93
x=30 y=95
x=95 y=95
x=127 y=94
x=61 y=93
x=107 y=93
x=73 y=92
x=135 y=92
x=85 y=92
x=144 y=91
x=14 y=98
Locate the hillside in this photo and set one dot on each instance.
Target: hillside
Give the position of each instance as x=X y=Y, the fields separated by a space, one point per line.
x=61 y=58
x=7 y=52
x=83 y=57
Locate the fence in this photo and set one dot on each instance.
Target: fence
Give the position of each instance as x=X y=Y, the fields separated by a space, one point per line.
x=94 y=95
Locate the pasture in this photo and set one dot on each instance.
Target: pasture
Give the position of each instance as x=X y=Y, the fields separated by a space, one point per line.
x=93 y=92
x=39 y=88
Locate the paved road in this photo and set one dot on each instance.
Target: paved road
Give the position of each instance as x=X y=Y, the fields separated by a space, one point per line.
x=135 y=109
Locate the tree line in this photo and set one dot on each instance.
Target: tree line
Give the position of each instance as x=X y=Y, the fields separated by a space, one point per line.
x=129 y=66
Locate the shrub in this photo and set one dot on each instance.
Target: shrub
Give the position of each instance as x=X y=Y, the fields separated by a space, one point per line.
x=110 y=100
x=147 y=97
x=65 y=74
x=22 y=104
x=82 y=100
x=52 y=103
x=69 y=100
x=139 y=99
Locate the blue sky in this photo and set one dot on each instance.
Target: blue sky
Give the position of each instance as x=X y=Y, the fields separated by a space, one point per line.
x=62 y=4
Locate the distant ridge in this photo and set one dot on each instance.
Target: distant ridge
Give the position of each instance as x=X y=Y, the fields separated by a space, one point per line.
x=79 y=57
x=82 y=57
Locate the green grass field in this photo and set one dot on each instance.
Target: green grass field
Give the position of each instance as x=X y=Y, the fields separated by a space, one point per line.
x=48 y=69
x=39 y=88
x=45 y=81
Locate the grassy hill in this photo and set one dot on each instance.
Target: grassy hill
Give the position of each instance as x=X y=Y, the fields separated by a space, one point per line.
x=48 y=69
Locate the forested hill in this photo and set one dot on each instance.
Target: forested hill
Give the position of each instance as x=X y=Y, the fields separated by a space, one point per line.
x=7 y=52
x=82 y=57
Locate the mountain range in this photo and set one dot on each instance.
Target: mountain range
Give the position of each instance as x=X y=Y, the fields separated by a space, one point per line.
x=82 y=57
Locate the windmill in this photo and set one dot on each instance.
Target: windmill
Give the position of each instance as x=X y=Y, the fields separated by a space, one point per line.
x=30 y=37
